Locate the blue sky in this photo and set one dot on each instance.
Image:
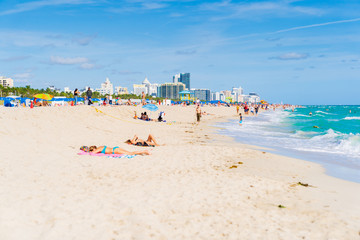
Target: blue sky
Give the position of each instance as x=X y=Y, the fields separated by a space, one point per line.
x=300 y=52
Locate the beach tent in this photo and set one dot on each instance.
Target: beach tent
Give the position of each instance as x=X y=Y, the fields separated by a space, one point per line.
x=216 y=101
x=12 y=101
x=58 y=101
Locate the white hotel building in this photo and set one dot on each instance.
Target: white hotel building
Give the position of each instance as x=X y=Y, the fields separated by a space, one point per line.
x=6 y=82
x=146 y=87
x=106 y=88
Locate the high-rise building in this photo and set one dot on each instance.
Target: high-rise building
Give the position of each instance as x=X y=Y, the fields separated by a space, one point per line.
x=170 y=90
x=106 y=88
x=67 y=90
x=251 y=98
x=6 y=82
x=239 y=90
x=151 y=89
x=202 y=94
x=183 y=78
x=139 y=88
x=121 y=90
x=176 y=78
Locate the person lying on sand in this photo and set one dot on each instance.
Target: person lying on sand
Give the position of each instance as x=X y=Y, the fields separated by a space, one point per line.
x=150 y=142
x=109 y=150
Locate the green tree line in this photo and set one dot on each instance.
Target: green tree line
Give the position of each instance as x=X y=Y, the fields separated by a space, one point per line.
x=28 y=92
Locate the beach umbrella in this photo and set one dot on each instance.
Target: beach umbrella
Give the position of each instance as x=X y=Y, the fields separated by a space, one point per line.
x=44 y=96
x=151 y=107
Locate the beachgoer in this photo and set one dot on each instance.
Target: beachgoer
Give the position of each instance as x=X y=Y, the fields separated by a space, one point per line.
x=198 y=113
x=237 y=109
x=128 y=102
x=145 y=117
x=143 y=98
x=246 y=109
x=256 y=109
x=37 y=103
x=310 y=113
x=109 y=150
x=76 y=95
x=252 y=110
x=240 y=120
x=160 y=118
x=150 y=142
x=89 y=95
x=198 y=101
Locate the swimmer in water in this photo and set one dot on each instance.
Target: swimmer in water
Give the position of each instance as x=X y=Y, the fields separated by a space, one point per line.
x=310 y=114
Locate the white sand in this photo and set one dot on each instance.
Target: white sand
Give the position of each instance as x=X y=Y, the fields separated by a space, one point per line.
x=184 y=190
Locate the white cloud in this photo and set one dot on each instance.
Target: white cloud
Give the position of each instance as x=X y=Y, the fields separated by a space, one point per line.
x=68 y=61
x=186 y=52
x=84 y=40
x=29 y=6
x=154 y=5
x=291 y=56
x=87 y=66
x=14 y=58
x=22 y=75
x=244 y=10
x=318 y=25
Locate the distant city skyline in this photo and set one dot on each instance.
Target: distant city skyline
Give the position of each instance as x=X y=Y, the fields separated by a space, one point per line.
x=299 y=52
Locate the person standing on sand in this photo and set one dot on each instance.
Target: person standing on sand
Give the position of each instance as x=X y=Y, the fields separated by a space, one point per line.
x=237 y=109
x=256 y=109
x=143 y=98
x=198 y=113
x=76 y=95
x=89 y=95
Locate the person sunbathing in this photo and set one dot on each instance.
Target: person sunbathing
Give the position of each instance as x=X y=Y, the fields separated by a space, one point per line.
x=37 y=102
x=109 y=150
x=150 y=142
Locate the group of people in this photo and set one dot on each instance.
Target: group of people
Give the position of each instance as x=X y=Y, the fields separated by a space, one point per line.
x=253 y=109
x=144 y=116
x=149 y=142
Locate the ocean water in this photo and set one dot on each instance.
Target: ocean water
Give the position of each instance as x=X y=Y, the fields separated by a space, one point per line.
x=330 y=136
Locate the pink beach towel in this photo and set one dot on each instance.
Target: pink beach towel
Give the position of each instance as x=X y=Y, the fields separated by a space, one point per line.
x=106 y=155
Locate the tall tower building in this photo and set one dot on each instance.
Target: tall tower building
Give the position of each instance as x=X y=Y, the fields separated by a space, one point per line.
x=183 y=78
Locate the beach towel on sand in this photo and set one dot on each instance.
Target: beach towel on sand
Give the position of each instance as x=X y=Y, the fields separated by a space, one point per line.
x=106 y=155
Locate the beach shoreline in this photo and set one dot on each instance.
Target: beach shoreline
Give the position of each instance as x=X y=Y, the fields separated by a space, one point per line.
x=336 y=164
x=200 y=184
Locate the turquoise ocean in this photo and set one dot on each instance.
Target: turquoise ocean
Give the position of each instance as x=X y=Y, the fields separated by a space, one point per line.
x=330 y=136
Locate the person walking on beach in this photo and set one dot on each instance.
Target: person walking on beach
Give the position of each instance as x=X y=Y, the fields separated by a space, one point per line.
x=237 y=109
x=240 y=120
x=143 y=98
x=198 y=113
x=89 y=95
x=76 y=95
x=256 y=109
x=252 y=110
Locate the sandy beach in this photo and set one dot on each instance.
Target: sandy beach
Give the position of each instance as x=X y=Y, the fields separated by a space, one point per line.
x=199 y=185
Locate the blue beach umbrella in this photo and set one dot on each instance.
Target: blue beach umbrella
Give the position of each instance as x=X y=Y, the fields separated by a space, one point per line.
x=150 y=107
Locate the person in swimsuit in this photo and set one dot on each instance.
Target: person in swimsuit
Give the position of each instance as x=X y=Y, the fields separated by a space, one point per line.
x=150 y=142
x=198 y=113
x=109 y=150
